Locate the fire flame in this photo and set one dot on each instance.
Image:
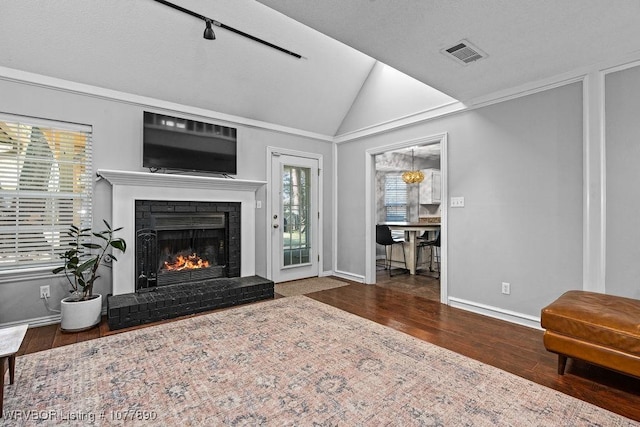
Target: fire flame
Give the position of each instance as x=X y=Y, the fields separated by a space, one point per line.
x=189 y=262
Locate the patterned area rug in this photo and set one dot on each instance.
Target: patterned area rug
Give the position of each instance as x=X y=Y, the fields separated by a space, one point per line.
x=290 y=361
x=307 y=286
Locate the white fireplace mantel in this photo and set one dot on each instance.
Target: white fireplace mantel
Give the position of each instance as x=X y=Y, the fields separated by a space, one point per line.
x=146 y=179
x=127 y=187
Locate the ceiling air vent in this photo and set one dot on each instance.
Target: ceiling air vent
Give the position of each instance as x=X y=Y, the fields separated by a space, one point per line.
x=464 y=53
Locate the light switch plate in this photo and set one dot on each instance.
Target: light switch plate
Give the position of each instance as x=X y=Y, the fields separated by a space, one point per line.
x=457 y=202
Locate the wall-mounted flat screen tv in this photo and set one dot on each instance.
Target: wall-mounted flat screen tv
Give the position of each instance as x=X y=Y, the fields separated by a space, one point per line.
x=188 y=145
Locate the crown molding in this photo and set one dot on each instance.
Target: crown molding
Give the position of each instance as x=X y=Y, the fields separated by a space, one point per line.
x=408 y=120
x=54 y=83
x=577 y=75
x=574 y=76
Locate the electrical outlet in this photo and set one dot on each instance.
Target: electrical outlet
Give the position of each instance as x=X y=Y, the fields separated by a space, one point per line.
x=45 y=292
x=457 y=202
x=506 y=288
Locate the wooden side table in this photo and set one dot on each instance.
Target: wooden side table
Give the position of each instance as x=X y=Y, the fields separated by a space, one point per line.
x=10 y=341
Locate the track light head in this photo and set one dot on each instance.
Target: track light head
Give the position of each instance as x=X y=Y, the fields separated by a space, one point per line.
x=208 y=32
x=210 y=35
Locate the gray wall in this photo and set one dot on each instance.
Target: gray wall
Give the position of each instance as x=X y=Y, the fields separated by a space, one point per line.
x=623 y=182
x=517 y=163
x=117 y=136
x=519 y=166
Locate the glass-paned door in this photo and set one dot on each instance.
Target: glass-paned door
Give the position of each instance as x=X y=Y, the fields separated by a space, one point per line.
x=294 y=218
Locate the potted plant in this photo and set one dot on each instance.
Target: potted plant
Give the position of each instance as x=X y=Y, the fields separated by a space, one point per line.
x=82 y=309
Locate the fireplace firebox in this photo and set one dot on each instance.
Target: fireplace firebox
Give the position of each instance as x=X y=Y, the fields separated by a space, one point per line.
x=181 y=242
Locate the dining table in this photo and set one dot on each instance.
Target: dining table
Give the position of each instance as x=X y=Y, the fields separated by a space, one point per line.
x=412 y=230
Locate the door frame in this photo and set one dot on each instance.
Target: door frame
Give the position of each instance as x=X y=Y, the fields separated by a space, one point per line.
x=370 y=206
x=271 y=150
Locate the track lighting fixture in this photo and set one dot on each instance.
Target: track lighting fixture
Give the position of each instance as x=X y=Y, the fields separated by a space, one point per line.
x=210 y=35
x=208 y=32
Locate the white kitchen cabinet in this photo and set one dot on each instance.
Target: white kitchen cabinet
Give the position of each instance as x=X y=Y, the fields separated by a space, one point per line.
x=431 y=187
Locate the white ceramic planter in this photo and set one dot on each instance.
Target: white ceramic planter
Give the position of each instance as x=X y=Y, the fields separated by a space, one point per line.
x=80 y=315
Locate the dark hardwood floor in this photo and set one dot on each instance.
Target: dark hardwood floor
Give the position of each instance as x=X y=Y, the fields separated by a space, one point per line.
x=425 y=284
x=400 y=303
x=513 y=348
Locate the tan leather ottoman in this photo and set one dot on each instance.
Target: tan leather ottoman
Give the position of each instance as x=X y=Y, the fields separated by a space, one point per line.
x=597 y=328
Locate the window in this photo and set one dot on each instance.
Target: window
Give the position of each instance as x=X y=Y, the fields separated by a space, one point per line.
x=296 y=207
x=395 y=198
x=45 y=186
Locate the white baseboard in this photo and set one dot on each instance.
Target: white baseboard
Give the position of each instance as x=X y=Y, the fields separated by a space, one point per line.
x=35 y=322
x=326 y=273
x=41 y=321
x=495 y=312
x=349 y=276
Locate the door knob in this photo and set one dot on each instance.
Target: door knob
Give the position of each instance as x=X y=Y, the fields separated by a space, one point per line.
x=276 y=225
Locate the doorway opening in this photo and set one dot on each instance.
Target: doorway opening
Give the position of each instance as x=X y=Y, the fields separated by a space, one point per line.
x=390 y=200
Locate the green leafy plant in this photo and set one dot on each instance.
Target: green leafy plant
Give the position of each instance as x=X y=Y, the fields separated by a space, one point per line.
x=82 y=259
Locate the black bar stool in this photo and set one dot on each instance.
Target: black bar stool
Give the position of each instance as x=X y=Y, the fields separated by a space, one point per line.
x=435 y=248
x=384 y=238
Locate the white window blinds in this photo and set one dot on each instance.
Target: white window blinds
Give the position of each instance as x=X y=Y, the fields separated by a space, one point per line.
x=45 y=186
x=395 y=198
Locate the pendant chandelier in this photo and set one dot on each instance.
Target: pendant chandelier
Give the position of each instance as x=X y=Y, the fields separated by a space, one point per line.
x=413 y=176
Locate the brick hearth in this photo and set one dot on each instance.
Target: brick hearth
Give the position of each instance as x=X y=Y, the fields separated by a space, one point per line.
x=168 y=302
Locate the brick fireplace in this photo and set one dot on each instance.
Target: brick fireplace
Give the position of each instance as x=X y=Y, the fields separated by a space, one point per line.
x=180 y=215
x=127 y=187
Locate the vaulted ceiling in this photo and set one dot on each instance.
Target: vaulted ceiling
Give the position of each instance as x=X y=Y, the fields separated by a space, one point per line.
x=525 y=40
x=146 y=48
